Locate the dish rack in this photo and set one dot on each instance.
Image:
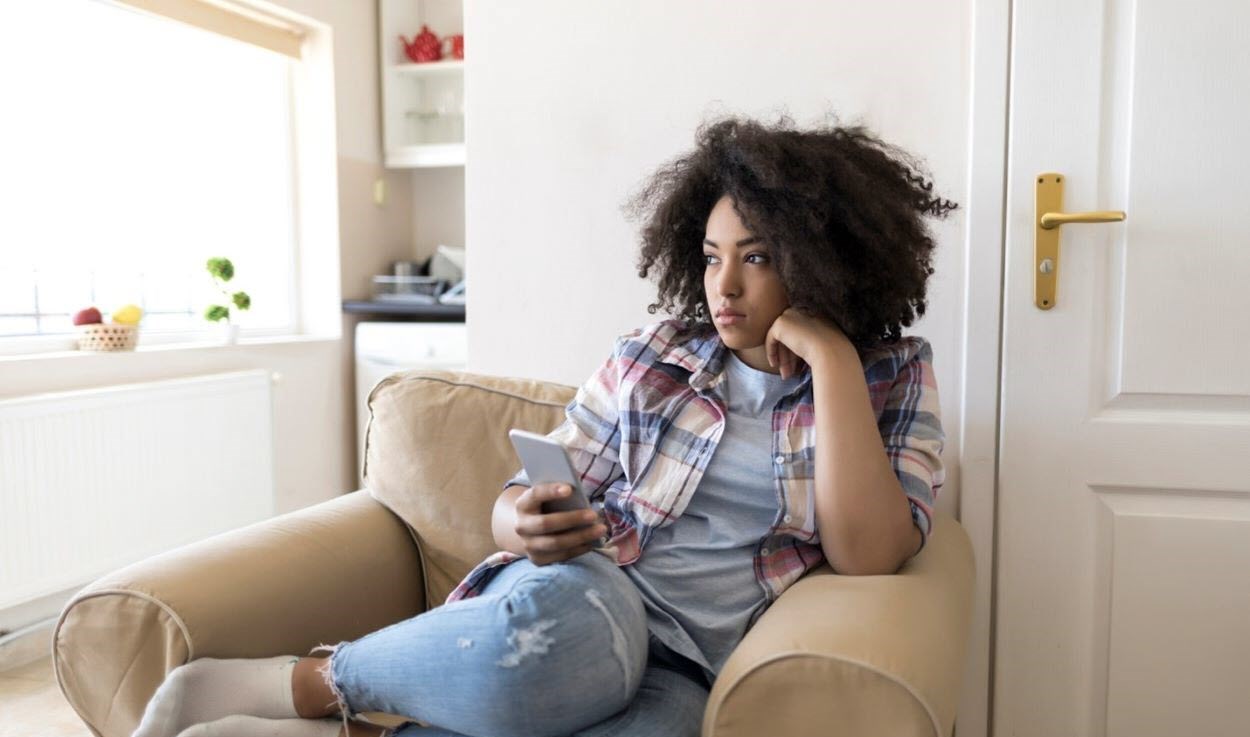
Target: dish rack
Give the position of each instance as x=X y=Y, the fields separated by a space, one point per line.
x=421 y=289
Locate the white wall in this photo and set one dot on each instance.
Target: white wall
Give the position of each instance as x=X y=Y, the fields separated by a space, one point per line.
x=437 y=209
x=371 y=236
x=570 y=106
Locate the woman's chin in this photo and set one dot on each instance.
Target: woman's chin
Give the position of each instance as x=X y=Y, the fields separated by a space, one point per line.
x=737 y=341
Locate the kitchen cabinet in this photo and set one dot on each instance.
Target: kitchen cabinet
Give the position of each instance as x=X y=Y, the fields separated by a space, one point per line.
x=422 y=103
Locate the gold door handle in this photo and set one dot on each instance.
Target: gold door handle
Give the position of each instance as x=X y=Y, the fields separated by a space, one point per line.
x=1055 y=219
x=1049 y=215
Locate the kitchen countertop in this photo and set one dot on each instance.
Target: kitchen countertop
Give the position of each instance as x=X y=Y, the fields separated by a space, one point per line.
x=408 y=311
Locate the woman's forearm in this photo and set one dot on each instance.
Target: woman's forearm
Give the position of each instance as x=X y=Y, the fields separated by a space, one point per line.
x=862 y=512
x=503 y=520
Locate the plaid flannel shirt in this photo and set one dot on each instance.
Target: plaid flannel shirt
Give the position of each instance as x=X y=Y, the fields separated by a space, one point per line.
x=642 y=429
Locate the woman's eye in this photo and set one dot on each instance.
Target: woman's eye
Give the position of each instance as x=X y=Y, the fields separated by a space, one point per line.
x=764 y=258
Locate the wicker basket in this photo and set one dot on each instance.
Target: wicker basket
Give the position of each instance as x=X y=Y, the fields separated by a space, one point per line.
x=108 y=337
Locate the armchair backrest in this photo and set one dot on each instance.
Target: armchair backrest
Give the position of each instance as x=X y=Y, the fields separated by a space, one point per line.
x=437 y=454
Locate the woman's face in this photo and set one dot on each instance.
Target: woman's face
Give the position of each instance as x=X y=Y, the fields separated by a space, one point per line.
x=739 y=276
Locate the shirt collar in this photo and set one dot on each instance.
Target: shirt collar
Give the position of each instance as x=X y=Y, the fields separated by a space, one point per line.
x=703 y=354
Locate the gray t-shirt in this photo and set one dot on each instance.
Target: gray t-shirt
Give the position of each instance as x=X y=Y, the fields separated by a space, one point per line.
x=697 y=574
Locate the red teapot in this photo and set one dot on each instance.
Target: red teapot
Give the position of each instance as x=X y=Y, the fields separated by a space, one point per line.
x=425 y=46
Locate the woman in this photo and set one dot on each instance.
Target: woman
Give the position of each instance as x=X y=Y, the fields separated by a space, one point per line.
x=782 y=391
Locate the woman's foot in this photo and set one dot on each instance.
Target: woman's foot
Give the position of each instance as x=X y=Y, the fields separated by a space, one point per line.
x=208 y=689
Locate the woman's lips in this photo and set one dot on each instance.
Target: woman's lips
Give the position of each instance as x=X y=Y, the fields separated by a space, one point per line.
x=728 y=319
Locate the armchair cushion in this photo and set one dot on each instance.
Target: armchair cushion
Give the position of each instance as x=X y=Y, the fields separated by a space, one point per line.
x=437 y=454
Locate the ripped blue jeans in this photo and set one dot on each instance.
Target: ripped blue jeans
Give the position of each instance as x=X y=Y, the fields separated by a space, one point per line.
x=543 y=651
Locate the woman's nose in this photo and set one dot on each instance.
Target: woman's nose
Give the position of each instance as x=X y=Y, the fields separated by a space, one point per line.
x=727 y=281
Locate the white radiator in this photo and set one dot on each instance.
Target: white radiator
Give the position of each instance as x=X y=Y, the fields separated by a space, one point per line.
x=92 y=480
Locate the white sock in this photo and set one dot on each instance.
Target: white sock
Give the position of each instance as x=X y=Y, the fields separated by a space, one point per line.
x=244 y=725
x=207 y=689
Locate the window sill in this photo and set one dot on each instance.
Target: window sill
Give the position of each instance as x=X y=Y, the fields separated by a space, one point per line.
x=188 y=345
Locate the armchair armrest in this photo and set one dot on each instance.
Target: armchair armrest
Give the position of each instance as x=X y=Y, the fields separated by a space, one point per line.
x=856 y=655
x=330 y=572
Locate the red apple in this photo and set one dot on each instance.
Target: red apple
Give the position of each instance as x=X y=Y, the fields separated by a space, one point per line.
x=88 y=316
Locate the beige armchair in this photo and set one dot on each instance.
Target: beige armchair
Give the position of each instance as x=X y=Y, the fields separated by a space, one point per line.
x=835 y=655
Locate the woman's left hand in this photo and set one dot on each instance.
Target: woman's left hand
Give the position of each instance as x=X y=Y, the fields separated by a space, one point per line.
x=798 y=336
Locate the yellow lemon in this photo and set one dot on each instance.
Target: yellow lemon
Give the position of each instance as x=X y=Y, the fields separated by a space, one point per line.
x=127 y=315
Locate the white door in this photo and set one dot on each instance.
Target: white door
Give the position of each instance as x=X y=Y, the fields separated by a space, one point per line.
x=1123 y=576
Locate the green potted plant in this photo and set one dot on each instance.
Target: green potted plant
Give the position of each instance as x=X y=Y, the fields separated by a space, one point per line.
x=222 y=271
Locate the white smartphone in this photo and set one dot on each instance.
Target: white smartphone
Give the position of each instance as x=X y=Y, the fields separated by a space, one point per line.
x=547 y=461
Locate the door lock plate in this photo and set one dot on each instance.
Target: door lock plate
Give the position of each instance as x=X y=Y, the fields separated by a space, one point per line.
x=1048 y=197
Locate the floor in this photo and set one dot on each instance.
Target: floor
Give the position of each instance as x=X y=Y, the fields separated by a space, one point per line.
x=31 y=705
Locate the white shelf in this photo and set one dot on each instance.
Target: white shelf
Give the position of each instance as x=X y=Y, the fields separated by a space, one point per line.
x=430 y=154
x=446 y=66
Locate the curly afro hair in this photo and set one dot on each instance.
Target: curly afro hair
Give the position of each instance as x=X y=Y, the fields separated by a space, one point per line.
x=841 y=210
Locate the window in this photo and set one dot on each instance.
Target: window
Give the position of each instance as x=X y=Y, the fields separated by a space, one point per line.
x=135 y=147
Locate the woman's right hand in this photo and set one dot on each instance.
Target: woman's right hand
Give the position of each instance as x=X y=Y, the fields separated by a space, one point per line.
x=556 y=536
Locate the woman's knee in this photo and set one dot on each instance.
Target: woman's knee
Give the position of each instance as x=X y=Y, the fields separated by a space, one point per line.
x=589 y=578
x=571 y=627
x=582 y=599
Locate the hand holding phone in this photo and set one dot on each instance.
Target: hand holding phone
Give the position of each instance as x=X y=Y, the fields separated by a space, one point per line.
x=551 y=537
x=547 y=464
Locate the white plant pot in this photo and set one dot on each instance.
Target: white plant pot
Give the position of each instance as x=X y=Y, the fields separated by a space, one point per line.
x=228 y=332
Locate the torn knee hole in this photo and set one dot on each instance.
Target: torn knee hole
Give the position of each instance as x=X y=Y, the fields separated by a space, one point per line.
x=526 y=641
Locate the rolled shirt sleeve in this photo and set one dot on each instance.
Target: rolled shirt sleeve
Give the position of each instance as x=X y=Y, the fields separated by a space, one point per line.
x=911 y=430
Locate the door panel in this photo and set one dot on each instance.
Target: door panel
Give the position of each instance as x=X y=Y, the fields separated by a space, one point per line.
x=1123 y=577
